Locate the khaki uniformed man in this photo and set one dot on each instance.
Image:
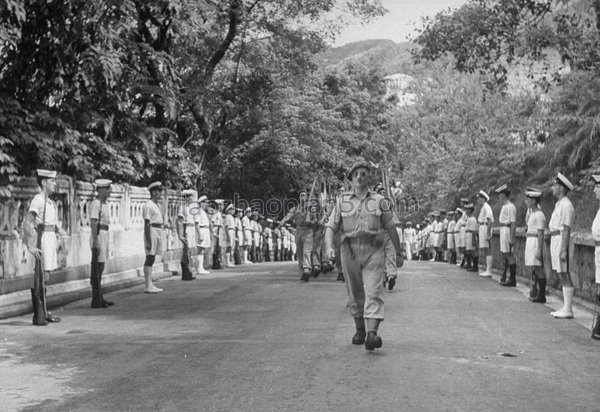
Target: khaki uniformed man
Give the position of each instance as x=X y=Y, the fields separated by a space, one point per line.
x=39 y=235
x=471 y=242
x=560 y=234
x=485 y=220
x=99 y=224
x=363 y=217
x=300 y=215
x=153 y=225
x=186 y=230
x=508 y=229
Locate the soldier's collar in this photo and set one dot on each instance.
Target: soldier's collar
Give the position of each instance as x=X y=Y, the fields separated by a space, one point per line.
x=368 y=194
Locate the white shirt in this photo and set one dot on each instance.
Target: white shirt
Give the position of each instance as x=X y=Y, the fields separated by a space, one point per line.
x=508 y=213
x=485 y=213
x=152 y=213
x=95 y=208
x=37 y=207
x=536 y=221
x=562 y=215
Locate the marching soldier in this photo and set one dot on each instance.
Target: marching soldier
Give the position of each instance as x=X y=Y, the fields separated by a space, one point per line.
x=202 y=233
x=596 y=236
x=153 y=225
x=508 y=229
x=485 y=220
x=39 y=235
x=99 y=221
x=560 y=235
x=363 y=217
x=534 y=242
x=303 y=239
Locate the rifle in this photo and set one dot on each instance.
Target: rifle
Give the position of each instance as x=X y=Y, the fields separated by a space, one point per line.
x=38 y=298
x=186 y=274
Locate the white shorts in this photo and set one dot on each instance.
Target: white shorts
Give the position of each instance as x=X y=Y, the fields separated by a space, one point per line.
x=450 y=241
x=555 y=247
x=155 y=246
x=483 y=234
x=102 y=246
x=504 y=239
x=256 y=239
x=247 y=238
x=469 y=241
x=204 y=238
x=49 y=250
x=230 y=239
x=531 y=248
x=597 y=264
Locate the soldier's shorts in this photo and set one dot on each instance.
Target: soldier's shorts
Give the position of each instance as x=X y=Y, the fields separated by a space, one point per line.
x=558 y=265
x=155 y=246
x=204 y=238
x=504 y=239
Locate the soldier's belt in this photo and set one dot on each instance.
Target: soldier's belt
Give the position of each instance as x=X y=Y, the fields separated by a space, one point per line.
x=203 y=227
x=103 y=227
x=532 y=235
x=505 y=224
x=48 y=228
x=156 y=225
x=188 y=224
x=471 y=231
x=555 y=233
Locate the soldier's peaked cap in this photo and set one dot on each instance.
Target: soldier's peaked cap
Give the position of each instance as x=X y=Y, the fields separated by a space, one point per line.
x=562 y=179
x=484 y=195
x=100 y=183
x=502 y=188
x=202 y=198
x=187 y=192
x=596 y=179
x=358 y=165
x=48 y=174
x=155 y=185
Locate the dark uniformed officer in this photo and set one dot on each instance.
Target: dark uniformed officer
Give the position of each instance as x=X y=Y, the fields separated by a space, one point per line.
x=363 y=217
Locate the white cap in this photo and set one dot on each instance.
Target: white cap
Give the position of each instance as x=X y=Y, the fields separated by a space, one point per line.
x=102 y=183
x=219 y=201
x=155 y=185
x=229 y=207
x=202 y=198
x=533 y=192
x=269 y=220
x=484 y=195
x=502 y=188
x=188 y=192
x=50 y=174
x=564 y=181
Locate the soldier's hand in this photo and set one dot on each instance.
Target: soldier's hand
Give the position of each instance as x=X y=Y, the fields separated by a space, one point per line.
x=35 y=252
x=399 y=260
x=330 y=254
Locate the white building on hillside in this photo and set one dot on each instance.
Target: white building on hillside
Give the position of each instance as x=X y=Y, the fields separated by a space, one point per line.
x=400 y=85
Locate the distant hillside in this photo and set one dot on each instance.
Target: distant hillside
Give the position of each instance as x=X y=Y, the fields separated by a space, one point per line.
x=393 y=57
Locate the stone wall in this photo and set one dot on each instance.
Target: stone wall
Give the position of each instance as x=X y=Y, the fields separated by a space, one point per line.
x=73 y=198
x=581 y=261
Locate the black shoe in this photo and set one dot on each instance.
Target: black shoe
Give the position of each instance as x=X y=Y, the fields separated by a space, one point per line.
x=373 y=341
x=316 y=271
x=510 y=283
x=305 y=276
x=359 y=337
x=391 y=283
x=52 y=319
x=107 y=302
x=538 y=299
x=98 y=305
x=341 y=277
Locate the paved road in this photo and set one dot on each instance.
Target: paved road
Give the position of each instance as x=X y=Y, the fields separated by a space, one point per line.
x=256 y=339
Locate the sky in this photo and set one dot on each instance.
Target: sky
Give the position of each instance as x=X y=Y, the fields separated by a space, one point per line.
x=400 y=21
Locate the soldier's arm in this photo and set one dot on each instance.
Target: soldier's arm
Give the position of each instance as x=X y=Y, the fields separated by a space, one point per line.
x=94 y=229
x=331 y=227
x=30 y=234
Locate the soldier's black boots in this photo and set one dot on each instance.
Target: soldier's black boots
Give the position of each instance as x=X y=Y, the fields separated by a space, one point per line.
x=316 y=270
x=373 y=341
x=341 y=277
x=533 y=292
x=305 y=275
x=39 y=316
x=391 y=283
x=475 y=266
x=596 y=329
x=361 y=332
x=512 y=280
x=541 y=293
x=503 y=277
